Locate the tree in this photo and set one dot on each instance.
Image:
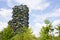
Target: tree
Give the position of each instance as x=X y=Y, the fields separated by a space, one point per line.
x=44 y=33
x=47 y=21
x=28 y=35
x=58 y=28
x=1 y=35
x=24 y=34
x=50 y=27
x=7 y=33
x=20 y=17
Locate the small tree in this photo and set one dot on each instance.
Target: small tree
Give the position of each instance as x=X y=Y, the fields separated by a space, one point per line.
x=24 y=34
x=46 y=21
x=44 y=33
x=7 y=33
x=58 y=28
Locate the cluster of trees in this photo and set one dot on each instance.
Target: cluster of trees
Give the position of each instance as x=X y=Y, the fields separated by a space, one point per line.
x=46 y=33
x=18 y=28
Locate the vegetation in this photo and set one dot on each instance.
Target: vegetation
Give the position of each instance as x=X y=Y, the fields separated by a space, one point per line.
x=24 y=35
x=46 y=33
x=7 y=34
x=18 y=28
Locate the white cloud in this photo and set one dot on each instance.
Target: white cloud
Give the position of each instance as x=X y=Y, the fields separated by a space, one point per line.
x=3 y=25
x=32 y=4
x=5 y=12
x=42 y=6
x=55 y=13
x=42 y=17
x=39 y=20
x=56 y=22
x=9 y=3
x=36 y=28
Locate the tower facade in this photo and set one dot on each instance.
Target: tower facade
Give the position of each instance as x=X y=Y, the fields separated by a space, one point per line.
x=20 y=17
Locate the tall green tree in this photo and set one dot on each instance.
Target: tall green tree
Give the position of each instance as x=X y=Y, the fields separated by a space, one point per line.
x=51 y=29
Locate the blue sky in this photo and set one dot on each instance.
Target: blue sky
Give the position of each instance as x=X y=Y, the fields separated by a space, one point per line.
x=39 y=10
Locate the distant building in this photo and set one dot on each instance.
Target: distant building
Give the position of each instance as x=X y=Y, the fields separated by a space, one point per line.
x=20 y=17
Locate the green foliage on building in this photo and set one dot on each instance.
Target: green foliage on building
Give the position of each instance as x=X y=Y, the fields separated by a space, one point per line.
x=20 y=17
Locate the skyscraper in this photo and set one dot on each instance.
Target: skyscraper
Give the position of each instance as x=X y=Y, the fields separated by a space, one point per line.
x=20 y=17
